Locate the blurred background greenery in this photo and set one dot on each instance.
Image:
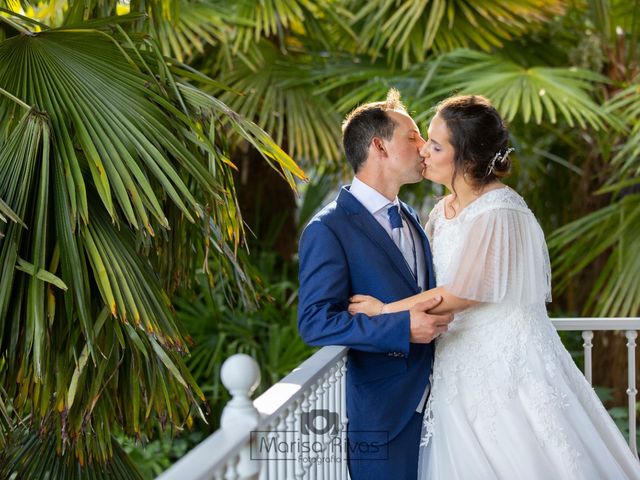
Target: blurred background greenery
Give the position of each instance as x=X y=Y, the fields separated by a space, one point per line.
x=236 y=99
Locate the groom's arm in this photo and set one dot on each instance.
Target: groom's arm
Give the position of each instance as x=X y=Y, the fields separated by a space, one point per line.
x=325 y=288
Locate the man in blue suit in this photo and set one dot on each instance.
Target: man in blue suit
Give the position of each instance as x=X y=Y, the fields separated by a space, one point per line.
x=368 y=242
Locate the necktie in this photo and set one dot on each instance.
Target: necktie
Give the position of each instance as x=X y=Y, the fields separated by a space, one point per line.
x=402 y=238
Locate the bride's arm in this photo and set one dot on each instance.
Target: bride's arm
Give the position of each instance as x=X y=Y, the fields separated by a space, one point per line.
x=450 y=303
x=372 y=306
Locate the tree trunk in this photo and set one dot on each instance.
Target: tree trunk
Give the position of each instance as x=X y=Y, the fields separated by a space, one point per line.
x=267 y=204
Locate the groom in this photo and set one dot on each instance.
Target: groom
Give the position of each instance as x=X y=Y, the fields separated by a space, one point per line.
x=368 y=242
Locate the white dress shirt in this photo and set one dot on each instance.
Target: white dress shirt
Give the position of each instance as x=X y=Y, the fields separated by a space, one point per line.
x=375 y=203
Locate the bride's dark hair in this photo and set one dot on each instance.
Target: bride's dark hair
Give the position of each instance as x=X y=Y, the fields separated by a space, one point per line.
x=479 y=137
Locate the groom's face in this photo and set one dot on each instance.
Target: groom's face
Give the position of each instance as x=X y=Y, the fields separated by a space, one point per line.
x=403 y=156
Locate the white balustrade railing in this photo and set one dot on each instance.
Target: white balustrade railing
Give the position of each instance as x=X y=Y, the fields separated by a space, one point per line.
x=297 y=429
x=630 y=327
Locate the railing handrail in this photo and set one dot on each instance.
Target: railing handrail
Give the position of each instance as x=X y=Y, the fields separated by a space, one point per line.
x=274 y=401
x=601 y=323
x=215 y=450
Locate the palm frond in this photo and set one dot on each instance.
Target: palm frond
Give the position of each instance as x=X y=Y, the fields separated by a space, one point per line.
x=197 y=25
x=278 y=92
x=6 y=212
x=32 y=455
x=533 y=94
x=119 y=174
x=409 y=30
x=62 y=77
x=7 y=421
x=612 y=229
x=626 y=106
x=279 y=18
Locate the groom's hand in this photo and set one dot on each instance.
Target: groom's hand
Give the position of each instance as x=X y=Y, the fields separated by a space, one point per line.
x=426 y=326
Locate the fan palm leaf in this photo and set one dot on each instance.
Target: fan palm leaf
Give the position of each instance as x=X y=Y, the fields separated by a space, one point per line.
x=280 y=18
x=120 y=166
x=531 y=94
x=626 y=106
x=6 y=420
x=411 y=29
x=278 y=94
x=196 y=25
x=613 y=229
x=6 y=212
x=32 y=456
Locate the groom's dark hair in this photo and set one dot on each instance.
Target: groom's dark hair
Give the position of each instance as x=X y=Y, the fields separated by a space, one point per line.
x=365 y=122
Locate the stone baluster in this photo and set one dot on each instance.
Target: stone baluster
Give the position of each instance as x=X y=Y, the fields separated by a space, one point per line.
x=240 y=375
x=587 y=336
x=289 y=438
x=308 y=405
x=632 y=391
x=344 y=419
x=231 y=470
x=335 y=434
x=276 y=432
x=301 y=404
x=326 y=454
x=314 y=438
x=219 y=473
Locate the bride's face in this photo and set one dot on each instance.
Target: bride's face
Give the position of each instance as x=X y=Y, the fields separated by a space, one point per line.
x=438 y=153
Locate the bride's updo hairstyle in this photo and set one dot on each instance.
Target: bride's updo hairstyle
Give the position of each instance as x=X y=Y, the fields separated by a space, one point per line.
x=478 y=136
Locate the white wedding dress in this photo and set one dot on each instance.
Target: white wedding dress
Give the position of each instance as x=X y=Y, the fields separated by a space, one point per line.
x=507 y=401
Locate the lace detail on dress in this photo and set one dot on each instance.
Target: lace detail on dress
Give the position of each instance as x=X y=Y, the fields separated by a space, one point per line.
x=499 y=198
x=428 y=423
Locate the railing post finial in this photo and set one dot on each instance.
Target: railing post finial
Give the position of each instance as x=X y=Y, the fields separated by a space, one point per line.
x=240 y=375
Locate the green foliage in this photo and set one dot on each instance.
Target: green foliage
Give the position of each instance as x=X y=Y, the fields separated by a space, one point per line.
x=410 y=30
x=30 y=455
x=153 y=457
x=117 y=172
x=613 y=229
x=221 y=327
x=609 y=234
x=281 y=83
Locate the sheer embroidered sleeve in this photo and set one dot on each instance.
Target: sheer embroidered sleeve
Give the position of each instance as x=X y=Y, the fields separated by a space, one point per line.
x=504 y=258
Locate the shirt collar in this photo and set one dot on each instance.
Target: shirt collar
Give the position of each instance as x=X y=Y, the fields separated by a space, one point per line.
x=369 y=197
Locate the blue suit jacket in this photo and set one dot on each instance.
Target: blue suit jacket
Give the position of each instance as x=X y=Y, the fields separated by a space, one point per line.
x=344 y=251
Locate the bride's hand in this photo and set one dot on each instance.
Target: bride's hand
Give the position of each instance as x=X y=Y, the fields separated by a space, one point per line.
x=365 y=304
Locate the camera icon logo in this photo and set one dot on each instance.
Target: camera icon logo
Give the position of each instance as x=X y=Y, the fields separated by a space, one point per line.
x=320 y=422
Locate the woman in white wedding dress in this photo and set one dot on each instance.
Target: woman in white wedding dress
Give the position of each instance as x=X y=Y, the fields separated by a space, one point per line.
x=507 y=401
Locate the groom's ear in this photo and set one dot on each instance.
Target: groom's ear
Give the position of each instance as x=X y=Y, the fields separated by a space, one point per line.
x=378 y=146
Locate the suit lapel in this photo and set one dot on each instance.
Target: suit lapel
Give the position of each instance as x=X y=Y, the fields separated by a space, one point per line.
x=373 y=230
x=428 y=259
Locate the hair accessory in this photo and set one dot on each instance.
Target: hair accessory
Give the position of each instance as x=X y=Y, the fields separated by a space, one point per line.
x=499 y=158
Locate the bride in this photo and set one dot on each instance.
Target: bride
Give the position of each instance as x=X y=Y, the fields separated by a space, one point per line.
x=507 y=401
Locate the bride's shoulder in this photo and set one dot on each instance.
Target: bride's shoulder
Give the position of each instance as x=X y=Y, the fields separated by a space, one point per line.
x=499 y=198
x=438 y=210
